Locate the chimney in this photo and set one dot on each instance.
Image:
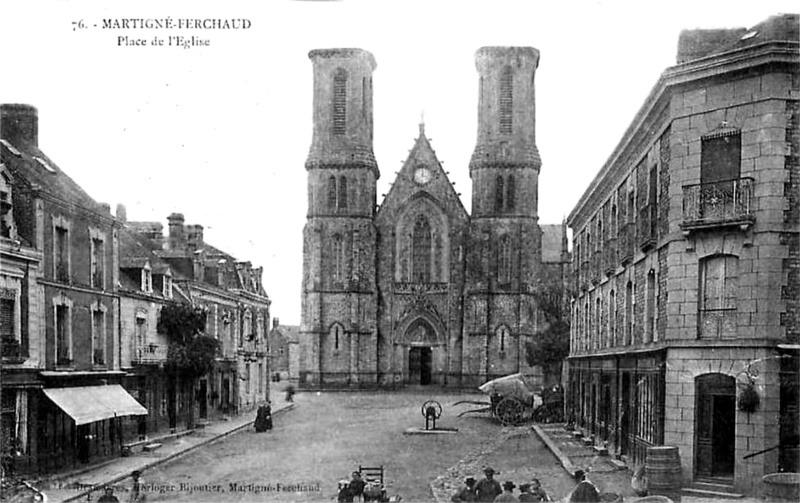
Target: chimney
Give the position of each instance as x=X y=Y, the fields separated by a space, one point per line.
x=106 y=207
x=276 y=323
x=194 y=237
x=122 y=213
x=19 y=124
x=177 y=239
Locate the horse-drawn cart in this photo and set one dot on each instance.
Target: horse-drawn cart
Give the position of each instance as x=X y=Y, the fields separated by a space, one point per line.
x=511 y=401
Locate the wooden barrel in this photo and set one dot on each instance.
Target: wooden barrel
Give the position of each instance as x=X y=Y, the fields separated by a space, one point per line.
x=663 y=468
x=782 y=486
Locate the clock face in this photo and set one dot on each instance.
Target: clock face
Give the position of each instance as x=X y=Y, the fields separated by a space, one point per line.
x=422 y=175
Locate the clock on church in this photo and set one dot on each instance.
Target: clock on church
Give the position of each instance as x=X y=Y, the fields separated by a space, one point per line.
x=422 y=175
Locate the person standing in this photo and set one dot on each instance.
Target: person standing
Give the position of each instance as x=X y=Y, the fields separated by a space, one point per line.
x=466 y=493
x=487 y=489
x=507 y=496
x=585 y=491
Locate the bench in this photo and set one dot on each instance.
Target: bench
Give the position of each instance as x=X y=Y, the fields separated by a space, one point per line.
x=373 y=476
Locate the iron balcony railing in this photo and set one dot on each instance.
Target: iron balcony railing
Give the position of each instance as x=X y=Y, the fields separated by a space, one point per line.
x=150 y=353
x=724 y=203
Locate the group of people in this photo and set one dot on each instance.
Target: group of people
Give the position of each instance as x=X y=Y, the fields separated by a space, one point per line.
x=358 y=489
x=489 y=489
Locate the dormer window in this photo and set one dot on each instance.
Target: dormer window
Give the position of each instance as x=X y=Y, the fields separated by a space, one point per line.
x=147 y=279
x=167 y=291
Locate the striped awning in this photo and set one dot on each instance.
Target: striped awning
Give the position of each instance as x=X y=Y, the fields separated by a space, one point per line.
x=87 y=404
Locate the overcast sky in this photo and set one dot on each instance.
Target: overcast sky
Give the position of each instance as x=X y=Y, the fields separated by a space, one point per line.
x=221 y=132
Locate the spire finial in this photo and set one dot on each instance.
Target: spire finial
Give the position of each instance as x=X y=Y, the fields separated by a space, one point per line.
x=422 y=124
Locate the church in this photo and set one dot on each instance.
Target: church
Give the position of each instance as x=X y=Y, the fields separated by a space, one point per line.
x=417 y=290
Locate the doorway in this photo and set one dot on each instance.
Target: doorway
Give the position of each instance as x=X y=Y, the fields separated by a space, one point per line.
x=419 y=365
x=715 y=426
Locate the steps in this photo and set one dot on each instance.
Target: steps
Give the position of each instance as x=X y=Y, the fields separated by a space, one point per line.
x=707 y=487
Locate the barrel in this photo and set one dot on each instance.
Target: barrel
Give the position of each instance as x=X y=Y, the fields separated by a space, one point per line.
x=782 y=486
x=663 y=468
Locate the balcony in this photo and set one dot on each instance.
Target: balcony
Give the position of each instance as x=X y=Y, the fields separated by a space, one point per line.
x=150 y=354
x=648 y=222
x=718 y=204
x=610 y=256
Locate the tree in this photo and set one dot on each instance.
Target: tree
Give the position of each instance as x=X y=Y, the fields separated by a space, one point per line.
x=191 y=354
x=550 y=346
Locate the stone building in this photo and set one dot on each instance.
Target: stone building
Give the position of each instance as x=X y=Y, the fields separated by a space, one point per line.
x=418 y=290
x=687 y=266
x=60 y=274
x=188 y=269
x=283 y=352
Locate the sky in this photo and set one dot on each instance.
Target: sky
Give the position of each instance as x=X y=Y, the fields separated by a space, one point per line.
x=220 y=131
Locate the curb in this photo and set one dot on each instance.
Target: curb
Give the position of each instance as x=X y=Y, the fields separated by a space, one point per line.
x=566 y=463
x=173 y=456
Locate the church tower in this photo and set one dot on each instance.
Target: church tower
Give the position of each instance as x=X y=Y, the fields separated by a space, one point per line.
x=505 y=252
x=337 y=332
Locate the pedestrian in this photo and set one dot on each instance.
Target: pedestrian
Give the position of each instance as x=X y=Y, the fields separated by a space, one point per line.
x=264 y=417
x=533 y=492
x=108 y=496
x=136 y=494
x=466 y=493
x=357 y=486
x=488 y=488
x=344 y=496
x=289 y=390
x=508 y=493
x=585 y=491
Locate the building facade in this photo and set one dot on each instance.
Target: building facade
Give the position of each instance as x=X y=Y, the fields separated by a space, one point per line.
x=61 y=296
x=686 y=266
x=418 y=291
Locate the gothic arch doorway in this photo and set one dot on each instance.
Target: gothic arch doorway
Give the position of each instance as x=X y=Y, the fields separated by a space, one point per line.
x=715 y=425
x=422 y=340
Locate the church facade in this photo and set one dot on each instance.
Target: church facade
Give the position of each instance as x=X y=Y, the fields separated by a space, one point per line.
x=418 y=290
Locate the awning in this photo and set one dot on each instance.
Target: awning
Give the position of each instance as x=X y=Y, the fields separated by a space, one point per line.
x=87 y=404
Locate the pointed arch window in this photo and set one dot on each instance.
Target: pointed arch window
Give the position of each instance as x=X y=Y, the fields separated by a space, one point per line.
x=502 y=334
x=511 y=187
x=504 y=260
x=336 y=333
x=421 y=254
x=342 y=201
x=506 y=100
x=340 y=102
x=332 y=193
x=499 y=194
x=338 y=258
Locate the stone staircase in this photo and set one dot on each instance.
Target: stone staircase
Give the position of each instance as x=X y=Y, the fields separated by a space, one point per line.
x=712 y=487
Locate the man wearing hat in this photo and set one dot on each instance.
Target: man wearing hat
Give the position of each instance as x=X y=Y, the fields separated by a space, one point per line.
x=585 y=491
x=466 y=493
x=508 y=493
x=488 y=488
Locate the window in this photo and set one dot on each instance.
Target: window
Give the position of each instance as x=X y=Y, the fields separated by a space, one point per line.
x=97 y=259
x=338 y=258
x=504 y=262
x=511 y=188
x=720 y=157
x=340 y=102
x=502 y=334
x=628 y=313
x=247 y=378
x=260 y=378
x=332 y=193
x=498 y=194
x=421 y=255
x=61 y=252
x=167 y=286
x=6 y=204
x=336 y=333
x=147 y=279
x=63 y=329
x=650 y=307
x=98 y=335
x=141 y=330
x=612 y=319
x=8 y=322
x=718 y=290
x=342 y=201
x=506 y=100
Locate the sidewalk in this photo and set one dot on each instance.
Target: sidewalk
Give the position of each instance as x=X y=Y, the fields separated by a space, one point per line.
x=77 y=485
x=607 y=473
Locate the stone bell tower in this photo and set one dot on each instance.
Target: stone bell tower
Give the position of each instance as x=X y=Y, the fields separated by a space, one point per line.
x=505 y=251
x=338 y=292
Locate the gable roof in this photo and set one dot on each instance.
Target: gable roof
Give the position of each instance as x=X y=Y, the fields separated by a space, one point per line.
x=289 y=332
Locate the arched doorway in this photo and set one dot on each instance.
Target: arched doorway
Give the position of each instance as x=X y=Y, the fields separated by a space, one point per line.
x=421 y=338
x=715 y=426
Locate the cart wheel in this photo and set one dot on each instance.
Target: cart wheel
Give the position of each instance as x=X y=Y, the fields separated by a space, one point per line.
x=437 y=407
x=510 y=412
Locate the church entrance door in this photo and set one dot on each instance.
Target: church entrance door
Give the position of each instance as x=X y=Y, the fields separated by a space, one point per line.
x=420 y=361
